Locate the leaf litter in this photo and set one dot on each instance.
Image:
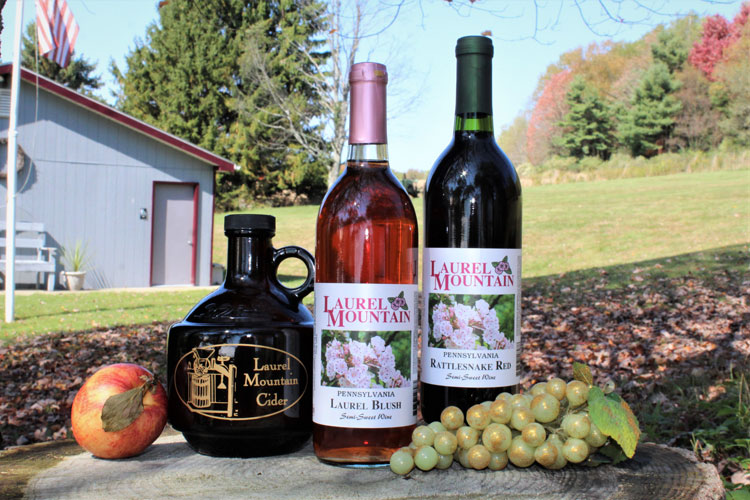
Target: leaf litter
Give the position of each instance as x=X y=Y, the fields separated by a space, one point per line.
x=643 y=335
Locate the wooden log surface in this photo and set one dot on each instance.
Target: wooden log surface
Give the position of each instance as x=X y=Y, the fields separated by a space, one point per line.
x=169 y=468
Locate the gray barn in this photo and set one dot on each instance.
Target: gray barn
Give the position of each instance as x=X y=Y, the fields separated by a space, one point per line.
x=140 y=199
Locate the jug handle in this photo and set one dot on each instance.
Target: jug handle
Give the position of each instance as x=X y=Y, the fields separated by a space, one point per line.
x=300 y=253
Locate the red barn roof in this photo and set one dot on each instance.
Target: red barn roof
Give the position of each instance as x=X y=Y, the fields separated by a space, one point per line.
x=119 y=116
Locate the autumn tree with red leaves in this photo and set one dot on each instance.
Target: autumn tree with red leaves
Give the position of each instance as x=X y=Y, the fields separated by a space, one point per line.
x=708 y=51
x=718 y=35
x=670 y=108
x=550 y=108
x=733 y=73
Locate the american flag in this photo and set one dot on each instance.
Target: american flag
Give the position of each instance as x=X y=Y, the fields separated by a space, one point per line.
x=56 y=29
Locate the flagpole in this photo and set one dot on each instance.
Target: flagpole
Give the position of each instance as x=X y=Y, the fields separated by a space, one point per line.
x=10 y=214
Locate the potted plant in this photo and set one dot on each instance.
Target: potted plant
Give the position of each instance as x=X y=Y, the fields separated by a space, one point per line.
x=75 y=261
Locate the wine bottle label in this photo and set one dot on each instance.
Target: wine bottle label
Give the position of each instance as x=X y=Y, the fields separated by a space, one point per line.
x=471 y=317
x=365 y=355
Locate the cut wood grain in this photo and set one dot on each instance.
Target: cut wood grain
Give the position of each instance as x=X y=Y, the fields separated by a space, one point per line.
x=170 y=469
x=21 y=463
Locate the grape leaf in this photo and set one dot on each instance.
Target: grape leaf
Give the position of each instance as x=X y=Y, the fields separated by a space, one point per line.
x=612 y=415
x=613 y=452
x=610 y=453
x=582 y=373
x=596 y=460
x=121 y=410
x=742 y=494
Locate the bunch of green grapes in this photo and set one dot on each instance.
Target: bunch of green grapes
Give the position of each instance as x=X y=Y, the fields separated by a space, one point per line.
x=549 y=426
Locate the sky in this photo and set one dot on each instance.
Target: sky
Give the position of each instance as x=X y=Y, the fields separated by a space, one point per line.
x=416 y=40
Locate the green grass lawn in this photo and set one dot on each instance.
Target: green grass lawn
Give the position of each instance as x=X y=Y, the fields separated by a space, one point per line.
x=567 y=227
x=294 y=226
x=42 y=312
x=590 y=224
x=577 y=226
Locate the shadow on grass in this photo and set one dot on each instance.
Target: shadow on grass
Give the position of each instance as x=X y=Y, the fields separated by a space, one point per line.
x=706 y=263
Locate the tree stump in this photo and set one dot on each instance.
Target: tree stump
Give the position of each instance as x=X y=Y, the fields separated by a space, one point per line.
x=170 y=469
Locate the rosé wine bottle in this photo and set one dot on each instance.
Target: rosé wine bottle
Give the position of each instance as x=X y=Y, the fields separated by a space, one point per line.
x=365 y=352
x=471 y=311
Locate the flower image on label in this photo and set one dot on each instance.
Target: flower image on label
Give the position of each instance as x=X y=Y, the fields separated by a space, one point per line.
x=471 y=317
x=365 y=355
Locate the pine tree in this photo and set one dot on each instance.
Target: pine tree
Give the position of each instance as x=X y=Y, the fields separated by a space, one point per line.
x=671 y=49
x=280 y=101
x=180 y=77
x=648 y=123
x=185 y=78
x=78 y=75
x=587 y=127
x=2 y=6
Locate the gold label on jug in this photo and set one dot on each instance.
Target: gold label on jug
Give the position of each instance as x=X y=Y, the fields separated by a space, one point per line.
x=239 y=381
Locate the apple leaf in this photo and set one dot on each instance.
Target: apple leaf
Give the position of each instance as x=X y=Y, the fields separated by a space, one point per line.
x=612 y=415
x=121 y=410
x=582 y=373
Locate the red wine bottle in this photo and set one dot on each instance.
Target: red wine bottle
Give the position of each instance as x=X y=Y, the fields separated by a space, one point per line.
x=471 y=332
x=365 y=352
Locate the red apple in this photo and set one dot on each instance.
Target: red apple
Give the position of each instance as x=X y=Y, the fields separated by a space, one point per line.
x=134 y=417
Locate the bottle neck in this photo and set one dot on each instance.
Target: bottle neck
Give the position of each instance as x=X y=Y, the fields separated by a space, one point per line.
x=359 y=153
x=474 y=122
x=367 y=104
x=249 y=258
x=474 y=92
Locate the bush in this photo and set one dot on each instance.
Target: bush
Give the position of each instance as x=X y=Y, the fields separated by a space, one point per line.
x=559 y=170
